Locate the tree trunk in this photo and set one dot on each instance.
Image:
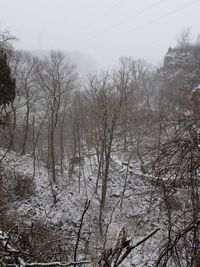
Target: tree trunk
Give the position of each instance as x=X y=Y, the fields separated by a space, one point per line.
x=26 y=129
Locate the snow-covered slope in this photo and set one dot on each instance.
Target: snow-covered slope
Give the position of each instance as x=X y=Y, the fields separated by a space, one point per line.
x=60 y=205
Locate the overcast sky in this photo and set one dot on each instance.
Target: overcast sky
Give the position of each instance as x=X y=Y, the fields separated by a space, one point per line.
x=103 y=29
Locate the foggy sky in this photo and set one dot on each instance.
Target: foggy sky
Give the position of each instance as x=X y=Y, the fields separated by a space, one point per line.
x=103 y=29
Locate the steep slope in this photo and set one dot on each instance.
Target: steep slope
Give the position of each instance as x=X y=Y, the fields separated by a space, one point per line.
x=59 y=206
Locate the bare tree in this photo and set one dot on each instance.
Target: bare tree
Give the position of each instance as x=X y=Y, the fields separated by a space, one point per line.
x=24 y=65
x=108 y=102
x=56 y=78
x=183 y=40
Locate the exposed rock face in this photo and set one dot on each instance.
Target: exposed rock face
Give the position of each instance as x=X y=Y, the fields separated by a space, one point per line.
x=183 y=61
x=180 y=74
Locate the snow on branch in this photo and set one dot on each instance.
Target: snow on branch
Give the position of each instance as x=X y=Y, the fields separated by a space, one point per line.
x=34 y=264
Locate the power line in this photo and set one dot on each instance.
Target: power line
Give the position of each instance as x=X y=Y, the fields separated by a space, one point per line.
x=130 y=17
x=155 y=20
x=177 y=10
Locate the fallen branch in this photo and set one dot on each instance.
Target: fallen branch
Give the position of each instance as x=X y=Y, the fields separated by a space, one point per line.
x=113 y=257
x=130 y=248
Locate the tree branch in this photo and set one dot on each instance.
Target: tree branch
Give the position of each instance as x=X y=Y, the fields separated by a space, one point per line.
x=130 y=248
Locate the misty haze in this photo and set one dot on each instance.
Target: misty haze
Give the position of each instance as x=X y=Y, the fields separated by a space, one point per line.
x=100 y=133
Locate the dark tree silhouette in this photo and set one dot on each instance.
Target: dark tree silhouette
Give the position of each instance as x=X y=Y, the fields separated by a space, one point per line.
x=7 y=83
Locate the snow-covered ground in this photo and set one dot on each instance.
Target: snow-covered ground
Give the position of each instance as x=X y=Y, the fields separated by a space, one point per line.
x=60 y=205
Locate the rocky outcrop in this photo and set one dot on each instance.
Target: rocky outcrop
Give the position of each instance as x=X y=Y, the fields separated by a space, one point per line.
x=180 y=74
x=184 y=62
